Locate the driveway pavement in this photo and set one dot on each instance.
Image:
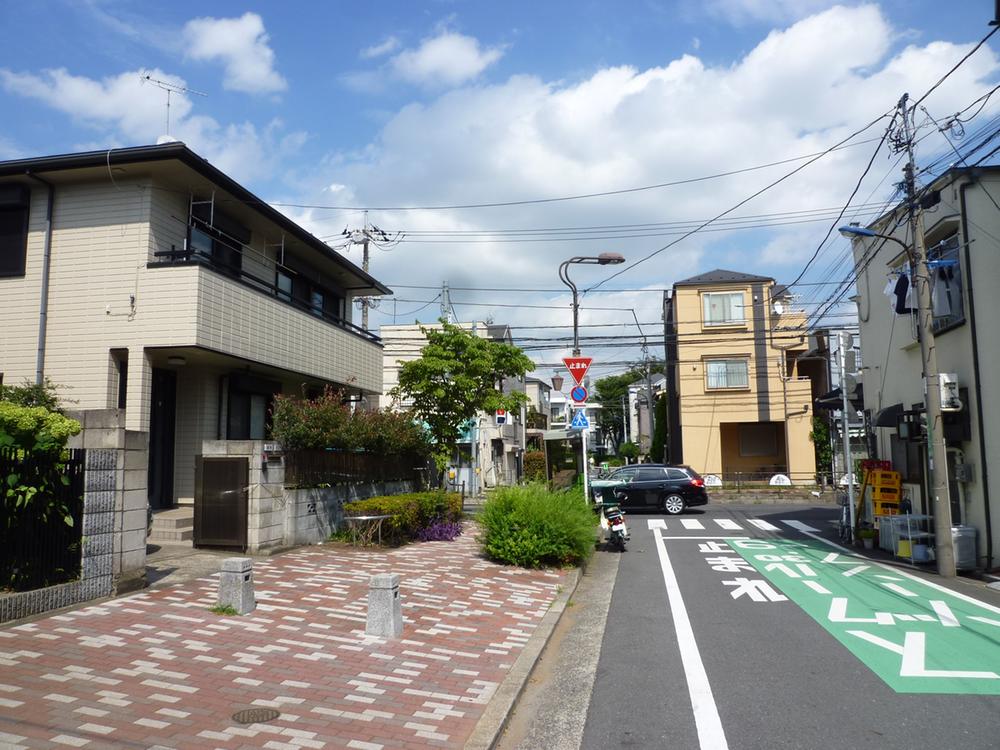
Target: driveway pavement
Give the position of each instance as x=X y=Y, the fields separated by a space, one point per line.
x=158 y=670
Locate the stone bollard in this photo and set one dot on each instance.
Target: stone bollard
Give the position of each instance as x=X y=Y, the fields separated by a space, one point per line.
x=385 y=611
x=236 y=585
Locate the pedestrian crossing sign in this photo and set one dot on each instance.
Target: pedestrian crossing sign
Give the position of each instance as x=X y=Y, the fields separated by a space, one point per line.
x=580 y=421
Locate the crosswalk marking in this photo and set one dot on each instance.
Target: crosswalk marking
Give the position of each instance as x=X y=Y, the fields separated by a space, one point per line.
x=729 y=524
x=799 y=526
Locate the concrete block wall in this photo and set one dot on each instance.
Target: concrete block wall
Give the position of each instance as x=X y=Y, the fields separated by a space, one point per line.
x=100 y=521
x=104 y=430
x=313 y=514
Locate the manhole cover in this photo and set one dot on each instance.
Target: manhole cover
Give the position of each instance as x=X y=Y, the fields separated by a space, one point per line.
x=255 y=715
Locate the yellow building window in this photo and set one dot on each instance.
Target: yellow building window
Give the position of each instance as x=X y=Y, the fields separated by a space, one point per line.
x=721 y=374
x=722 y=308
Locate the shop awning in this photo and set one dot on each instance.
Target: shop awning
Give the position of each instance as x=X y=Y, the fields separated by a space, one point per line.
x=834 y=401
x=889 y=416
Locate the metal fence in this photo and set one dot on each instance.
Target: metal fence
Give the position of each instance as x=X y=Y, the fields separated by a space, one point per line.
x=314 y=468
x=40 y=551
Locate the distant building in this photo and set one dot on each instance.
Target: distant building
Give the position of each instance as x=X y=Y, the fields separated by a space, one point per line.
x=738 y=404
x=494 y=451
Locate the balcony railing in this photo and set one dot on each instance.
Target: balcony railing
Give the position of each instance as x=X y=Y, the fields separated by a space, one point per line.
x=190 y=257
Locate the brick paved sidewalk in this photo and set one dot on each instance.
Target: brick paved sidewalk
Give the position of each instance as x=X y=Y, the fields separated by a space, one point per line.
x=158 y=670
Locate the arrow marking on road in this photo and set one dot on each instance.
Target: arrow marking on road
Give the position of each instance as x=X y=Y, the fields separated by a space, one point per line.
x=914 y=652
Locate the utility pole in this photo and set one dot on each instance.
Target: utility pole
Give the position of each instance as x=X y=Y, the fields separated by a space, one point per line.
x=445 y=302
x=937 y=457
x=846 y=342
x=367 y=234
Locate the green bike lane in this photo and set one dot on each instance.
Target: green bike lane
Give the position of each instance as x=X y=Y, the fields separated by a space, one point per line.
x=916 y=635
x=780 y=669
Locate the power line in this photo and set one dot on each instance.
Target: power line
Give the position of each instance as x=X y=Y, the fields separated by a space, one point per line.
x=742 y=202
x=498 y=204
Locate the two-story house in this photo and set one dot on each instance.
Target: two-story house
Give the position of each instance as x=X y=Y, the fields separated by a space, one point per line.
x=961 y=225
x=737 y=403
x=146 y=280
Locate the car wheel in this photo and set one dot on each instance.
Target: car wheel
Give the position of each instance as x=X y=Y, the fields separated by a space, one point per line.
x=672 y=504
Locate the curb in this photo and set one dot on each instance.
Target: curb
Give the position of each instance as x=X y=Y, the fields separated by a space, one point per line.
x=494 y=719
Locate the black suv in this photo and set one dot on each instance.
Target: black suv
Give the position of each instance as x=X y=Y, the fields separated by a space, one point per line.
x=654 y=486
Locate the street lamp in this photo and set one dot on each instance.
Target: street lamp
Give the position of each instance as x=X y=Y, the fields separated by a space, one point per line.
x=943 y=544
x=604 y=259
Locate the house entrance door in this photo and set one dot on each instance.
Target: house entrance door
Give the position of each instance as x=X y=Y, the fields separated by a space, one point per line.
x=163 y=413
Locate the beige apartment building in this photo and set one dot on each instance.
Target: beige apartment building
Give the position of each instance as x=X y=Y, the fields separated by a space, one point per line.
x=738 y=405
x=961 y=224
x=146 y=280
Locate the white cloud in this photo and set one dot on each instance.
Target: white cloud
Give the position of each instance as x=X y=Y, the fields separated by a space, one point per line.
x=800 y=90
x=739 y=12
x=446 y=59
x=241 y=45
x=127 y=110
x=389 y=44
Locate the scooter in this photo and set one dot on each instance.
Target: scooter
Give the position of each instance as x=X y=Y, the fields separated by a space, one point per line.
x=613 y=524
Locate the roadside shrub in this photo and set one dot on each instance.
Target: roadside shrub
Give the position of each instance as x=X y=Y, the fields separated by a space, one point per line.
x=533 y=527
x=327 y=422
x=534 y=466
x=440 y=531
x=411 y=513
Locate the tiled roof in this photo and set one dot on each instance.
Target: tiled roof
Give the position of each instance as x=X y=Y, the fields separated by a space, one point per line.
x=721 y=276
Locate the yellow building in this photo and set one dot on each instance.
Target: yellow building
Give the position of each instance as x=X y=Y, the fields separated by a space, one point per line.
x=738 y=407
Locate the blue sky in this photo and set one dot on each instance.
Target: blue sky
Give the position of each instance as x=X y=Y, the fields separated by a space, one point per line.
x=440 y=103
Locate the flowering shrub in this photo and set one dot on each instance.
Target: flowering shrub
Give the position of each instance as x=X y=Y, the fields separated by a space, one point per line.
x=440 y=531
x=327 y=422
x=410 y=513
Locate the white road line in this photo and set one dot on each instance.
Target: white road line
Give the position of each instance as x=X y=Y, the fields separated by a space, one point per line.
x=690 y=523
x=711 y=736
x=798 y=525
x=918 y=579
x=817 y=587
x=763 y=524
x=655 y=523
x=717 y=536
x=728 y=523
x=899 y=589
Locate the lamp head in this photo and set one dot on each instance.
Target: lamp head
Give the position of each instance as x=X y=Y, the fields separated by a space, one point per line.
x=850 y=231
x=610 y=259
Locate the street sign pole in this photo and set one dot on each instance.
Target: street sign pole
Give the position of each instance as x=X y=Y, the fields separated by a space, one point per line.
x=586 y=482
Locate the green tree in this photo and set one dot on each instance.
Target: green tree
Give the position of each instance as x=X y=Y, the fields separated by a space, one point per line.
x=610 y=391
x=820 y=437
x=457 y=376
x=629 y=450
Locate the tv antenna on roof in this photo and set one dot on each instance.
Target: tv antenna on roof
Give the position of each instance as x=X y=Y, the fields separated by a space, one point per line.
x=170 y=88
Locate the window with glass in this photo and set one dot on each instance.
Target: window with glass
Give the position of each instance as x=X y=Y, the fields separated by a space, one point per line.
x=283 y=284
x=14 y=204
x=727 y=373
x=944 y=266
x=722 y=308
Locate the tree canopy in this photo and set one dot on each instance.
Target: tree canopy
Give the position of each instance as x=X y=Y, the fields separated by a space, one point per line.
x=610 y=390
x=458 y=375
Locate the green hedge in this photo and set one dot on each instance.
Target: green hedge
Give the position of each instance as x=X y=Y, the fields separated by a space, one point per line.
x=534 y=466
x=410 y=513
x=533 y=527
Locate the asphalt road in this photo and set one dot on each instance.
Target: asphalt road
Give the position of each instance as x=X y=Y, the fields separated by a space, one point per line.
x=736 y=635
